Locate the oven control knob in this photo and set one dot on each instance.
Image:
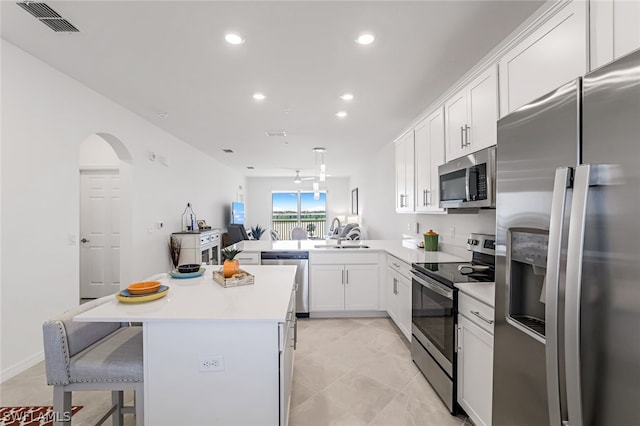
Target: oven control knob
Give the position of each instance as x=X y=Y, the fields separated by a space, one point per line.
x=472 y=242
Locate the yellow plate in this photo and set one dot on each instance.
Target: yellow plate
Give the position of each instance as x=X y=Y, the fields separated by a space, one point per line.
x=143 y=298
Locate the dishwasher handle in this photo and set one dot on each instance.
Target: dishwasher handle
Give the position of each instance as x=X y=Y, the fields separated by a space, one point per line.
x=284 y=255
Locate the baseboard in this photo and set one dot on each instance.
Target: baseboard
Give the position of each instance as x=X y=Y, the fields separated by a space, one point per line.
x=21 y=366
x=349 y=314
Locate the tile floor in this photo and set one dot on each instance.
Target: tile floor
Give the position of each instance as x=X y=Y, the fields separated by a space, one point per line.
x=348 y=372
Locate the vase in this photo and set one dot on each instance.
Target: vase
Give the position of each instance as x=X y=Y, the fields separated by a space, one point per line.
x=230 y=268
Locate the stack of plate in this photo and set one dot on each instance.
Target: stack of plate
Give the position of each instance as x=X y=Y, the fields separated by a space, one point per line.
x=144 y=291
x=176 y=273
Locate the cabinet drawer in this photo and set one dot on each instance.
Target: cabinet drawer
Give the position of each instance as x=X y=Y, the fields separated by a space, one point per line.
x=248 y=258
x=400 y=266
x=476 y=311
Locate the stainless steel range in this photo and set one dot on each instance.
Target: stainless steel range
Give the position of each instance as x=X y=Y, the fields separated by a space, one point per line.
x=434 y=309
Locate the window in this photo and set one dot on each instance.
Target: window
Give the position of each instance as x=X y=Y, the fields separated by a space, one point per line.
x=298 y=209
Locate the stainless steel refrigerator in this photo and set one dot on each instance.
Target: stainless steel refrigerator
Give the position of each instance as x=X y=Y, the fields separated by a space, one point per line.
x=567 y=335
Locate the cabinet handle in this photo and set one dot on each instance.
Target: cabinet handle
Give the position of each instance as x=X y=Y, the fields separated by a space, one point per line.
x=428 y=197
x=476 y=313
x=467 y=130
x=395 y=264
x=462 y=136
x=457 y=337
x=295 y=333
x=347 y=276
x=403 y=197
x=395 y=283
x=343 y=277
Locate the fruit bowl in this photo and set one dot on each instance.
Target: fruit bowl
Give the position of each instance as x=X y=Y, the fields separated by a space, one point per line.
x=188 y=268
x=144 y=287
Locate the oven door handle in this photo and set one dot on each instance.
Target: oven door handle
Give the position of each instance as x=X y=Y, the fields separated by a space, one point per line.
x=434 y=287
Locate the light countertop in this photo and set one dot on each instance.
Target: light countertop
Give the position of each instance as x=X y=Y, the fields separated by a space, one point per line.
x=404 y=251
x=484 y=292
x=202 y=298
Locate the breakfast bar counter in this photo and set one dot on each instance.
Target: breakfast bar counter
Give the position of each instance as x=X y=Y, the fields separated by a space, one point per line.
x=210 y=352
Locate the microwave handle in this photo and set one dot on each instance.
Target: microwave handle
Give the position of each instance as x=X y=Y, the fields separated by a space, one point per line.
x=467 y=184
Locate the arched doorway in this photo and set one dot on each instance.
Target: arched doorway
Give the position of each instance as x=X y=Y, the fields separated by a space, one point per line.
x=105 y=215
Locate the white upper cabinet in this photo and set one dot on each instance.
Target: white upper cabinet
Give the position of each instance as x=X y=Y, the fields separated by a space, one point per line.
x=429 y=154
x=471 y=116
x=405 y=173
x=614 y=29
x=552 y=55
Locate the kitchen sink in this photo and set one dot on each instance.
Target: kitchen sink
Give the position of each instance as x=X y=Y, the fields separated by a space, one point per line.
x=343 y=246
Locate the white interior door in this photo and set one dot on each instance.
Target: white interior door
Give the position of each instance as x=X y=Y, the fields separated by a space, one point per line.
x=99 y=233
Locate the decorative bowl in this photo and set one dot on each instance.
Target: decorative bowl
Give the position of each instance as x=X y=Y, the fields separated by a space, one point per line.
x=144 y=287
x=188 y=268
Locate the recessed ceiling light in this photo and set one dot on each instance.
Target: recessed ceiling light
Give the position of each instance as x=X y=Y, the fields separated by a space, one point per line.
x=259 y=96
x=341 y=114
x=227 y=150
x=365 y=39
x=319 y=149
x=347 y=97
x=233 y=38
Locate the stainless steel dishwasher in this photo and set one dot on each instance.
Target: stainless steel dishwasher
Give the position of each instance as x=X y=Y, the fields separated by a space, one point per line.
x=301 y=260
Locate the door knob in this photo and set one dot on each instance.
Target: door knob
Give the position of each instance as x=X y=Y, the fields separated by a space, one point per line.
x=84 y=240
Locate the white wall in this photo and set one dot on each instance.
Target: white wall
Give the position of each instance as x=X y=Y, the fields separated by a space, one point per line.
x=96 y=152
x=45 y=117
x=258 y=197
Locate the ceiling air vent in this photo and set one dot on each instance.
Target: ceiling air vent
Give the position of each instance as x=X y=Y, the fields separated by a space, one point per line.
x=281 y=134
x=48 y=16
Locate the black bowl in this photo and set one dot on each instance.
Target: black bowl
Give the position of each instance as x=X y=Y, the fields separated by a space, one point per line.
x=190 y=267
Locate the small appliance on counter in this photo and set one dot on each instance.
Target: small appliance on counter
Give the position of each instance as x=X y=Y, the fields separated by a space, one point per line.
x=433 y=313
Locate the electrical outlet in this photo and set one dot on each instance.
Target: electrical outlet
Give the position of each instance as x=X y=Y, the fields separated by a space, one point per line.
x=452 y=231
x=211 y=363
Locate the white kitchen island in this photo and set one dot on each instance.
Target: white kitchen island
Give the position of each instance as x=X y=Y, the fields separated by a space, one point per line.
x=245 y=334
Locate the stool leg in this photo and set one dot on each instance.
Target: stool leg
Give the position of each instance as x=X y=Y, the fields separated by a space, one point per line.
x=117 y=399
x=61 y=406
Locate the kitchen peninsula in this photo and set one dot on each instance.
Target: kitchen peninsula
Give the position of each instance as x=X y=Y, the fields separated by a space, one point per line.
x=210 y=352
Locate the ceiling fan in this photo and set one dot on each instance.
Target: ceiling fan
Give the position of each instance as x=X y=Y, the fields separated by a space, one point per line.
x=299 y=179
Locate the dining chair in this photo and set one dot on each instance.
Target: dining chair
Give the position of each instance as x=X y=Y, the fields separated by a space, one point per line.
x=298 y=233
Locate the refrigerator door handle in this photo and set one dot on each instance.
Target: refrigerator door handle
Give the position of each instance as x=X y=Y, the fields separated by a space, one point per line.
x=575 y=254
x=552 y=283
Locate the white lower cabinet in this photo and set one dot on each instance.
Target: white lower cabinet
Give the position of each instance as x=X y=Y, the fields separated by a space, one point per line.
x=475 y=359
x=399 y=294
x=288 y=333
x=344 y=286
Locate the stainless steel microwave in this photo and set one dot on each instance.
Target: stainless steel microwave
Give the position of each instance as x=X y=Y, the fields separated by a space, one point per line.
x=469 y=181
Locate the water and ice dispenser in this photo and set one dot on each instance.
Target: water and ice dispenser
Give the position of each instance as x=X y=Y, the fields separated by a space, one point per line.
x=526 y=271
